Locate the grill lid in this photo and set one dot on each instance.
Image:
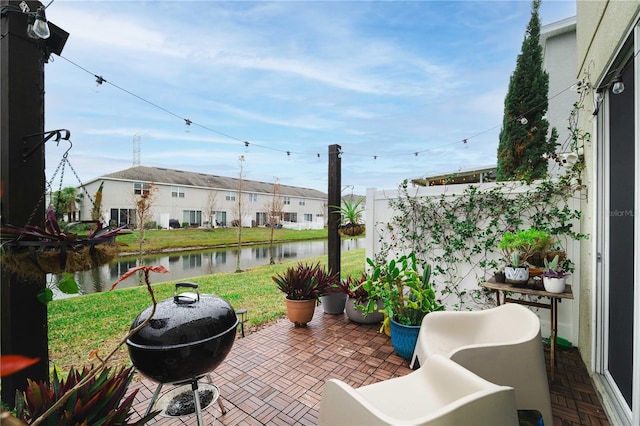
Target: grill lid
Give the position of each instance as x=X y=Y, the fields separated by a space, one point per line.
x=185 y=319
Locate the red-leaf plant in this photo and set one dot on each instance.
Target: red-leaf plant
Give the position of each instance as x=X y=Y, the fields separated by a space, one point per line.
x=53 y=232
x=85 y=390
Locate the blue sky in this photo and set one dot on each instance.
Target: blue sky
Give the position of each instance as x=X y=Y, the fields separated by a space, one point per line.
x=382 y=79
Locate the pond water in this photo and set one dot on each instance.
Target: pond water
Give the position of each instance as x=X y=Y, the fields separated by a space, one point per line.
x=190 y=264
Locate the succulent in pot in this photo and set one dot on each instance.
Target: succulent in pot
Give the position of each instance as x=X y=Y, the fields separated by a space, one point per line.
x=302 y=286
x=554 y=277
x=515 y=272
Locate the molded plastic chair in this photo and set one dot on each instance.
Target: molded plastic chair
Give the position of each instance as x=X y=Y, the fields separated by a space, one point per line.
x=502 y=345
x=439 y=393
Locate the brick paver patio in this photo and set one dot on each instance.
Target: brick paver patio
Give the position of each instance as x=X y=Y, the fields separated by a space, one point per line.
x=275 y=375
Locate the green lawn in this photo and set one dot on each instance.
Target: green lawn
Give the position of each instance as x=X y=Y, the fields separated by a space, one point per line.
x=82 y=324
x=164 y=239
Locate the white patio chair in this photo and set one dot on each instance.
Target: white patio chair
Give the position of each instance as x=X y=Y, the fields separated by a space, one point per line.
x=439 y=393
x=502 y=345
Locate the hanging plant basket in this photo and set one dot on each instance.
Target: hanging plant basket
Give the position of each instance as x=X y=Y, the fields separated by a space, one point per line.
x=35 y=258
x=32 y=251
x=351 y=229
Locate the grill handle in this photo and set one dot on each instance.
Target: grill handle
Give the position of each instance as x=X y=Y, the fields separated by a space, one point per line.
x=186 y=298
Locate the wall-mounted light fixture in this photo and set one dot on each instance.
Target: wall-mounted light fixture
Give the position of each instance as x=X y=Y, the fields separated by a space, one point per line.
x=617 y=86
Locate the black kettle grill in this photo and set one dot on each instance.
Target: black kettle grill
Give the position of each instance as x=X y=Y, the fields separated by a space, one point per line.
x=188 y=336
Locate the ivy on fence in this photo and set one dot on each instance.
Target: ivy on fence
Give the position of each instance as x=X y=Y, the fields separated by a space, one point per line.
x=459 y=234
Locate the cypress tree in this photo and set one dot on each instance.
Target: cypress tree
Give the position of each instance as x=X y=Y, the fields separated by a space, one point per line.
x=523 y=137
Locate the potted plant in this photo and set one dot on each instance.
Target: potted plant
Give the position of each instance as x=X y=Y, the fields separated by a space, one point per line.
x=33 y=251
x=518 y=247
x=554 y=276
x=499 y=275
x=515 y=272
x=351 y=218
x=407 y=296
x=302 y=286
x=357 y=299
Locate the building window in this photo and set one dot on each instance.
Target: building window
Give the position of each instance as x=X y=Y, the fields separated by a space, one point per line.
x=177 y=192
x=221 y=218
x=192 y=217
x=301 y=202
x=121 y=217
x=140 y=188
x=308 y=217
x=253 y=198
x=286 y=200
x=231 y=196
x=291 y=217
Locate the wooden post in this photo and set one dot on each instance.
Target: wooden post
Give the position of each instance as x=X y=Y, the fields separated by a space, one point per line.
x=23 y=317
x=334 y=200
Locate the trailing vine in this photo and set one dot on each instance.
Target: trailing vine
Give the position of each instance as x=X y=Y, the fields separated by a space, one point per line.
x=458 y=231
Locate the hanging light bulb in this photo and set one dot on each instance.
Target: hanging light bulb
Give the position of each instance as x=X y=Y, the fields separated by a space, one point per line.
x=617 y=86
x=39 y=28
x=523 y=120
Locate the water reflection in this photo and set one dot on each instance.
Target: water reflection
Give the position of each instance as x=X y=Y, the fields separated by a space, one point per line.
x=192 y=264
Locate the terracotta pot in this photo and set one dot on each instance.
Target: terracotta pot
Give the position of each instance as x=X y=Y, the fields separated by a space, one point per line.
x=300 y=312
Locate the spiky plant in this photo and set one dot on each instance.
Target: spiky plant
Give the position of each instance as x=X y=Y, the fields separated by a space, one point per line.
x=100 y=402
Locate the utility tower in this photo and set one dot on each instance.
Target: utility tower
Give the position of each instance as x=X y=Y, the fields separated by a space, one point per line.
x=136 y=150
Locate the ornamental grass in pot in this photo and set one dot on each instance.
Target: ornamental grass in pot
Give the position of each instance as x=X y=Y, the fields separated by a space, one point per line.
x=407 y=295
x=302 y=286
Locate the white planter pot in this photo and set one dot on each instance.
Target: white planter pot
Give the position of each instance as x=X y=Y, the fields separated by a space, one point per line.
x=518 y=275
x=554 y=285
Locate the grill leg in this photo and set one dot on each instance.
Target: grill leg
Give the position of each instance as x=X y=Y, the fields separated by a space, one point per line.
x=153 y=399
x=220 y=404
x=196 y=399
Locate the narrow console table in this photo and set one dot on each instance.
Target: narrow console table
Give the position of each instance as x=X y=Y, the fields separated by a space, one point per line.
x=552 y=305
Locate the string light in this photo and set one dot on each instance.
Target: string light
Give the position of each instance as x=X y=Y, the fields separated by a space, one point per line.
x=100 y=80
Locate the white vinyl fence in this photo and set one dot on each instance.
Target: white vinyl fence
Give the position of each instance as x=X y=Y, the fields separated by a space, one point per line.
x=379 y=213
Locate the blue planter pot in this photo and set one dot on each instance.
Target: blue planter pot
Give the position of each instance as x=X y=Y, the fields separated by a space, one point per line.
x=404 y=338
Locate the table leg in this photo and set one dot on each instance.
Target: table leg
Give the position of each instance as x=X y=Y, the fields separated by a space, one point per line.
x=554 y=331
x=497 y=292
